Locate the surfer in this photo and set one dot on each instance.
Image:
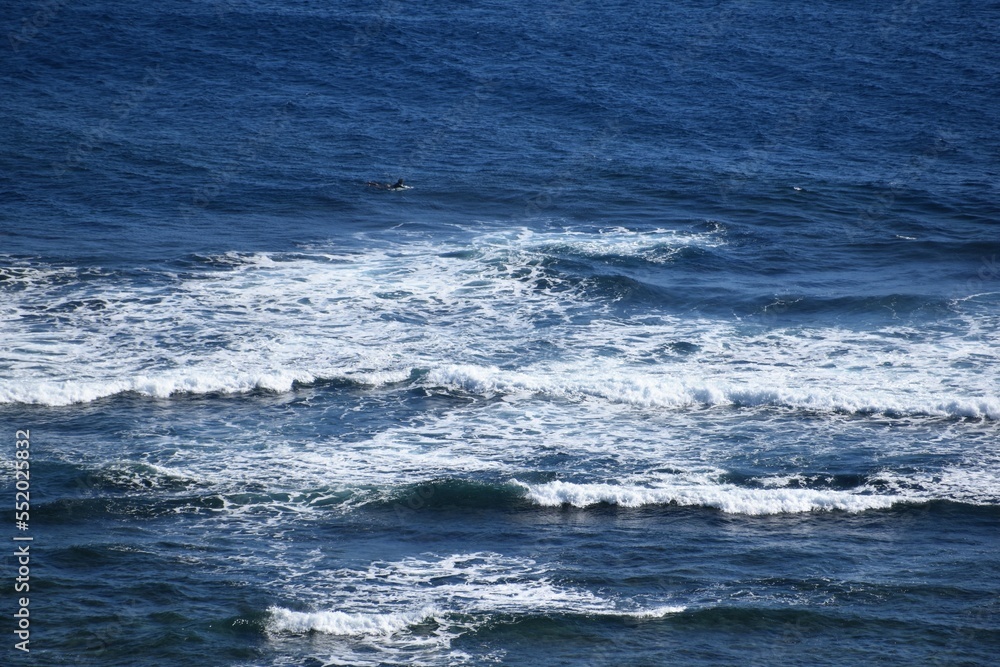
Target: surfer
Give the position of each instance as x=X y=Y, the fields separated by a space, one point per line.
x=398 y=185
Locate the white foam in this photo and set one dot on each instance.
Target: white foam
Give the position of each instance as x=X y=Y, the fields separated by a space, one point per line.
x=977 y=482
x=374 y=316
x=657 y=246
x=343 y=623
x=726 y=497
x=162 y=385
x=680 y=392
x=145 y=476
x=455 y=591
x=656 y=612
x=371 y=612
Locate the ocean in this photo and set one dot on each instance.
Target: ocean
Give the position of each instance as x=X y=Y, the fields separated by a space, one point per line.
x=681 y=349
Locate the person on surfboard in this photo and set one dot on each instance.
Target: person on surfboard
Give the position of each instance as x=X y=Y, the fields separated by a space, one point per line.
x=398 y=185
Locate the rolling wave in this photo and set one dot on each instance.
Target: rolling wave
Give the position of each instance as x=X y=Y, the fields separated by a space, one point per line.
x=671 y=392
x=491 y=315
x=423 y=603
x=726 y=497
x=343 y=623
x=646 y=391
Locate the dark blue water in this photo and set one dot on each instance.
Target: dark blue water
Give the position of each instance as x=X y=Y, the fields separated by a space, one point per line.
x=682 y=348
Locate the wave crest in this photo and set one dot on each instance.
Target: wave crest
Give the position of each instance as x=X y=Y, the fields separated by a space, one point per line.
x=671 y=392
x=728 y=498
x=344 y=623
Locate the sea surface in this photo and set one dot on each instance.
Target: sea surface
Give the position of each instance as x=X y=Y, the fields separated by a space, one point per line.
x=682 y=349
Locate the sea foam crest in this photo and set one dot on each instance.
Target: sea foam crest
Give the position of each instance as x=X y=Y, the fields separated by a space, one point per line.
x=657 y=246
x=345 y=623
x=726 y=497
x=375 y=316
x=459 y=591
x=678 y=392
x=158 y=386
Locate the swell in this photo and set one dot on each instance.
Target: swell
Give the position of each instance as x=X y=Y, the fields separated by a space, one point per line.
x=207 y=382
x=410 y=313
x=756 y=618
x=681 y=393
x=284 y=620
x=620 y=386
x=725 y=497
x=143 y=490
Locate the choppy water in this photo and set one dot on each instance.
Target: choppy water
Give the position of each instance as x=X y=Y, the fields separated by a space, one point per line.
x=682 y=348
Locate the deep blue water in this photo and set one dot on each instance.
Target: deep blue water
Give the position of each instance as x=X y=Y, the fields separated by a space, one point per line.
x=683 y=348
